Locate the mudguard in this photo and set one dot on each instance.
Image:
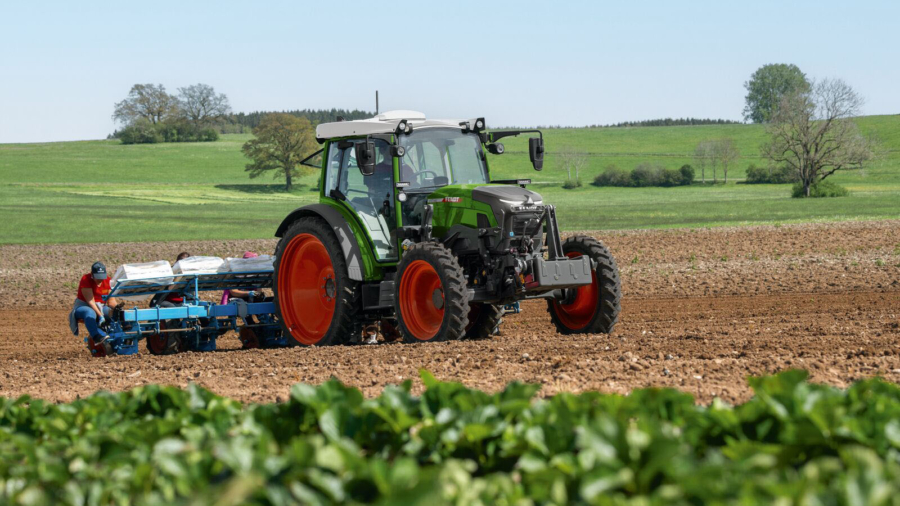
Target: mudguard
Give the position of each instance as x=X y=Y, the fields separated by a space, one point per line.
x=341 y=230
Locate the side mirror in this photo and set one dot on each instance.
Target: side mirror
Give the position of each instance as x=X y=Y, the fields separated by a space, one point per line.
x=536 y=152
x=365 y=157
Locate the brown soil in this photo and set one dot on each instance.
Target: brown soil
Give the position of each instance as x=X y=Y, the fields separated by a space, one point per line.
x=702 y=310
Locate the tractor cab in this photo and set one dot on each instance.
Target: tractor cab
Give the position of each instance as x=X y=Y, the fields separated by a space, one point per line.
x=386 y=170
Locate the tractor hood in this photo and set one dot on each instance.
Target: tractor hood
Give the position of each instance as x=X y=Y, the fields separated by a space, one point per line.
x=508 y=199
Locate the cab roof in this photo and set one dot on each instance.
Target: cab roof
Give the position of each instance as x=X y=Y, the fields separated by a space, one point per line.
x=384 y=123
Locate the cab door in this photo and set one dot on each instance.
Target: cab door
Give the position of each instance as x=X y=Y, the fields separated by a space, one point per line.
x=370 y=198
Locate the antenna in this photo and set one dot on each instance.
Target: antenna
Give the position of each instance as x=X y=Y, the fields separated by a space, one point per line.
x=376 y=102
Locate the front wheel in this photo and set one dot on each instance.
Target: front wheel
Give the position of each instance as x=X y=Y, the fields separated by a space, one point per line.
x=431 y=301
x=595 y=307
x=315 y=298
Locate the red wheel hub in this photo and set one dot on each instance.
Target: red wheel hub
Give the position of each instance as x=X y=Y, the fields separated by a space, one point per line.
x=97 y=350
x=307 y=289
x=248 y=338
x=158 y=342
x=421 y=300
x=581 y=311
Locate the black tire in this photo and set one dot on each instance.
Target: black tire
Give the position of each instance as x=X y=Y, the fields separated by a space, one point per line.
x=168 y=343
x=484 y=320
x=454 y=295
x=346 y=324
x=606 y=277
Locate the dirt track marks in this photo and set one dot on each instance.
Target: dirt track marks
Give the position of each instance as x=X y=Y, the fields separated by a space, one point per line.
x=705 y=346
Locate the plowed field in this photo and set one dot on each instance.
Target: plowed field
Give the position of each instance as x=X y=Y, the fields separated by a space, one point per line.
x=702 y=309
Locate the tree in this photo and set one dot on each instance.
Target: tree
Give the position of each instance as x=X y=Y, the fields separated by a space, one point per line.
x=766 y=87
x=813 y=133
x=705 y=156
x=281 y=142
x=571 y=160
x=200 y=104
x=147 y=101
x=725 y=152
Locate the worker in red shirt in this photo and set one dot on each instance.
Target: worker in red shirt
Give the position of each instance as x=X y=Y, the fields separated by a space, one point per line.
x=89 y=306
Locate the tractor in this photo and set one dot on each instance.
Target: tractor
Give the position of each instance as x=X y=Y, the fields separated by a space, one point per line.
x=410 y=234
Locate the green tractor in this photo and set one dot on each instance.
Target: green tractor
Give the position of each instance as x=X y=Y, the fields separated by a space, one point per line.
x=410 y=234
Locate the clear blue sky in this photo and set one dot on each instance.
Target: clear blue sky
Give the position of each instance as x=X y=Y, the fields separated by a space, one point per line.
x=64 y=64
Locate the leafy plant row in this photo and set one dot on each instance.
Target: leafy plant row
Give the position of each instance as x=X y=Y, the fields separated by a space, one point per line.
x=795 y=442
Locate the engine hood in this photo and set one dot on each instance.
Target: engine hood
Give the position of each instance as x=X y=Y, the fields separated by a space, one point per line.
x=507 y=198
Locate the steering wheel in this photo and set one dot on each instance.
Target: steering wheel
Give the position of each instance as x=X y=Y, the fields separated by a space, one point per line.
x=423 y=172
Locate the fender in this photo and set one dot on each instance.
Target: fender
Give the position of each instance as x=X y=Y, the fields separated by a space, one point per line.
x=341 y=230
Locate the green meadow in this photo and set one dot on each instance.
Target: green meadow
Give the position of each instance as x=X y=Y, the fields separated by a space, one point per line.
x=103 y=191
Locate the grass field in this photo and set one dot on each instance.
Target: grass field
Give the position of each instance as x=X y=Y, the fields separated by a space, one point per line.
x=102 y=191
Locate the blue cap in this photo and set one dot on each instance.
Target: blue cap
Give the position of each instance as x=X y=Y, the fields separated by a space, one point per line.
x=98 y=270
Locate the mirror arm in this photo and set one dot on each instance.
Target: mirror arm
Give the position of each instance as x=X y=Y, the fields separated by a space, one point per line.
x=495 y=136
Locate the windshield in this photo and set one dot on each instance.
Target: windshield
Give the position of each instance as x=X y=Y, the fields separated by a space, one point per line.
x=442 y=156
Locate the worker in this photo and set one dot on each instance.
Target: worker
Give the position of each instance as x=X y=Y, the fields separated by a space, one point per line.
x=246 y=295
x=170 y=299
x=89 y=306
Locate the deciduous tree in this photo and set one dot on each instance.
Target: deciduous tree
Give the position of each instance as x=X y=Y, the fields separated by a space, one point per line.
x=147 y=101
x=725 y=152
x=766 y=87
x=814 y=134
x=704 y=156
x=572 y=160
x=200 y=104
x=281 y=142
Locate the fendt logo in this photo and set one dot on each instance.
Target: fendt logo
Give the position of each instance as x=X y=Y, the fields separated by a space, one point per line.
x=453 y=200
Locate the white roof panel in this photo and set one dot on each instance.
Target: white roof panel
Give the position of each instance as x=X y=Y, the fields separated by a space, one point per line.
x=383 y=123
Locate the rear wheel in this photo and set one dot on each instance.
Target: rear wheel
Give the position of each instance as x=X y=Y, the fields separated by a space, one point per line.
x=431 y=302
x=595 y=307
x=249 y=339
x=164 y=343
x=315 y=298
x=101 y=349
x=484 y=320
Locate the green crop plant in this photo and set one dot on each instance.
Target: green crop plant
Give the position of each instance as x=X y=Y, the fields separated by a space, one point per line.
x=793 y=442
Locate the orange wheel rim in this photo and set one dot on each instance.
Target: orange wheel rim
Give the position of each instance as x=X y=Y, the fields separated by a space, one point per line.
x=307 y=289
x=581 y=311
x=421 y=300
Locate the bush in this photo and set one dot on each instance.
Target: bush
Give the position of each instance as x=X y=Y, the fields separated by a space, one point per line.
x=612 y=175
x=144 y=132
x=140 y=132
x=645 y=174
x=572 y=183
x=687 y=175
x=770 y=175
x=210 y=135
x=820 y=189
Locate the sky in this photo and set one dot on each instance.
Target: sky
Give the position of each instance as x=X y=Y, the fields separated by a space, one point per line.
x=63 y=65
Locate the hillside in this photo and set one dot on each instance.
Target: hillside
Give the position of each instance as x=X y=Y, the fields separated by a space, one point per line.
x=102 y=191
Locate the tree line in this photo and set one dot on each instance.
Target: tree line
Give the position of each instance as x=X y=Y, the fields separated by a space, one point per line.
x=251 y=120
x=671 y=122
